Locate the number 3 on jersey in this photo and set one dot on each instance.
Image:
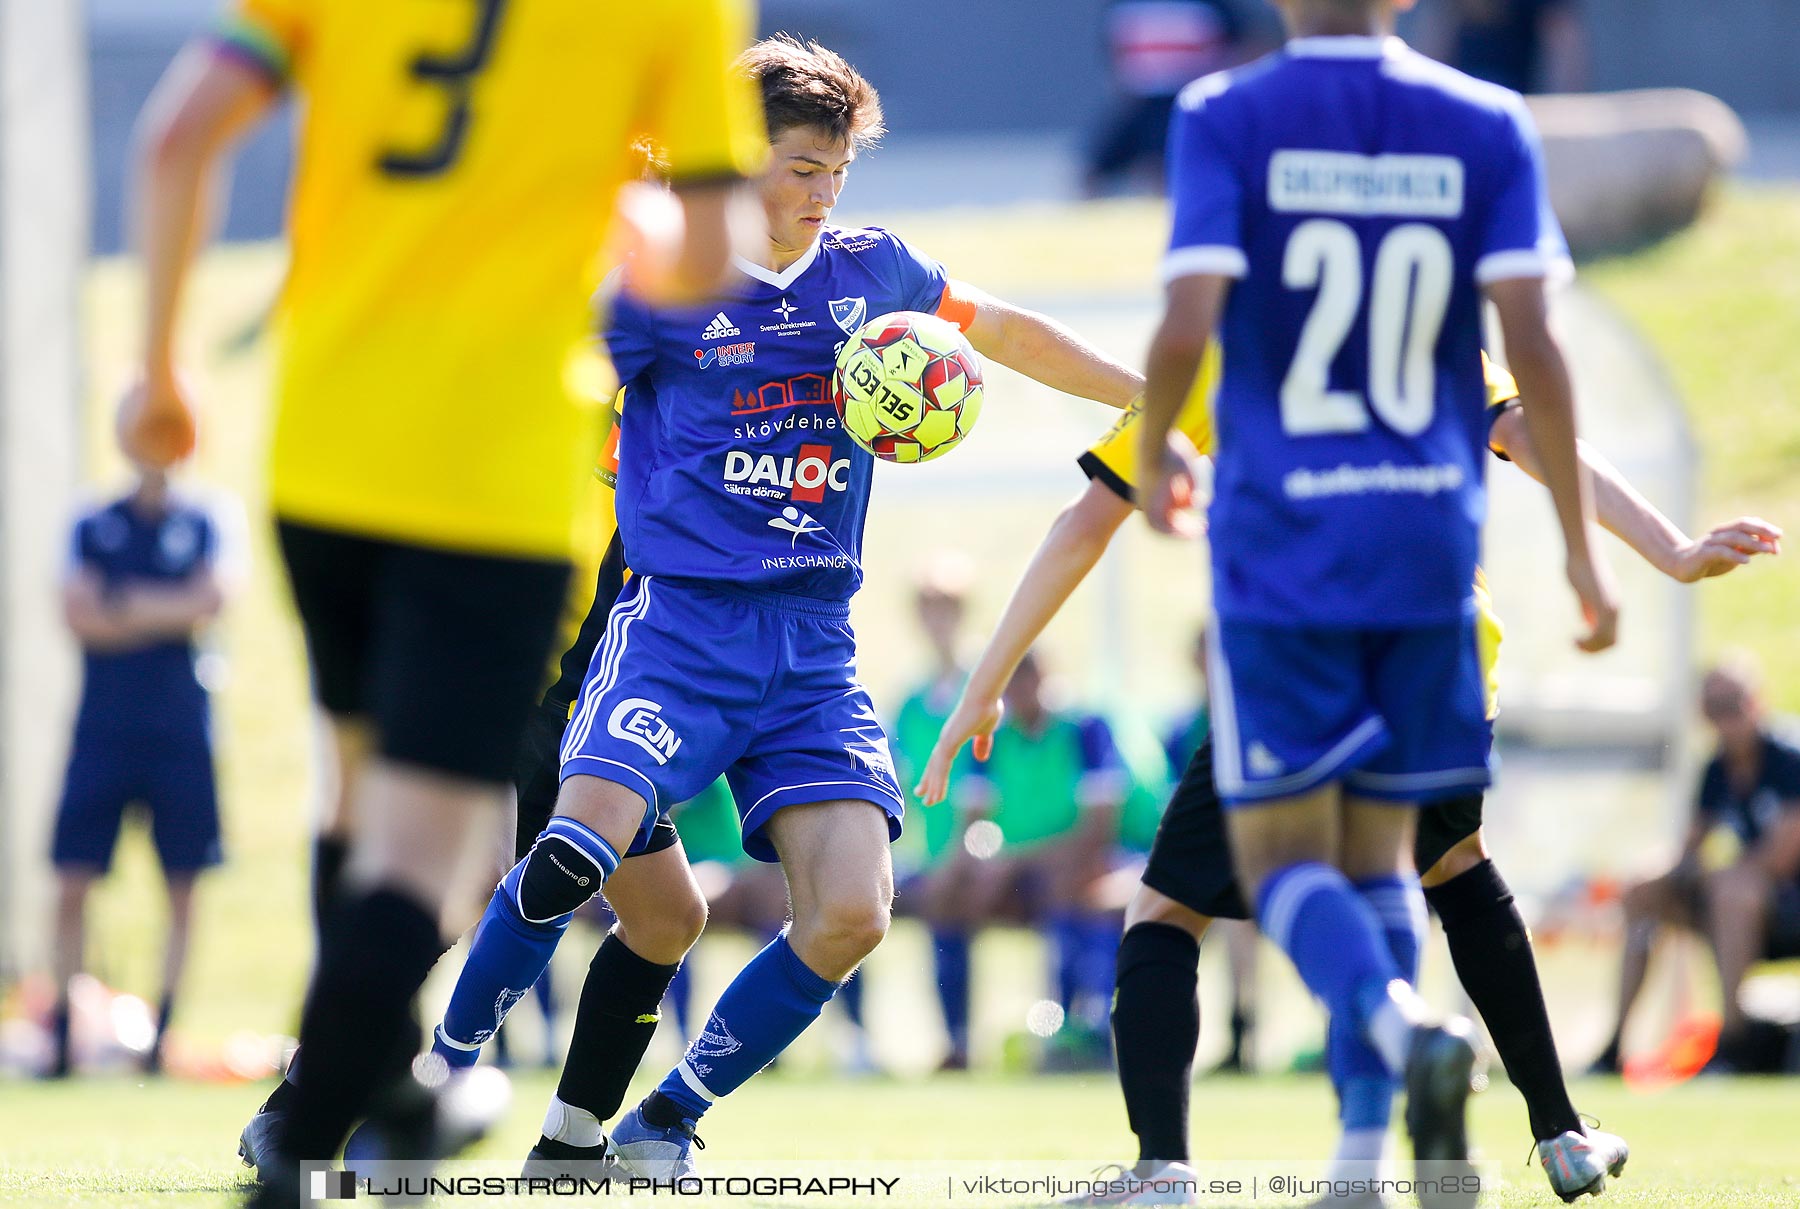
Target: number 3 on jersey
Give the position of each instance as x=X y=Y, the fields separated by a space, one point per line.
x=454 y=72
x=1407 y=297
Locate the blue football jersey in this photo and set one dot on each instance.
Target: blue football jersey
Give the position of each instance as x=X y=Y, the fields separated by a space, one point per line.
x=733 y=465
x=1362 y=195
x=150 y=688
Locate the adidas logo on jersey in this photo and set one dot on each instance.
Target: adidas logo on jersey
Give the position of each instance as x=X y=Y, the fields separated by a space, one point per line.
x=719 y=328
x=1263 y=762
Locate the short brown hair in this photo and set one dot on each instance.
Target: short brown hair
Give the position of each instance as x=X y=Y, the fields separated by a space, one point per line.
x=804 y=84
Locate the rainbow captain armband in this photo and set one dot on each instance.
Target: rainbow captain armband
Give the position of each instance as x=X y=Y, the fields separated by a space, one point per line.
x=245 y=41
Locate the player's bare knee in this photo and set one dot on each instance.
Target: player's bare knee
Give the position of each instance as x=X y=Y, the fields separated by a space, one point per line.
x=851 y=925
x=687 y=921
x=664 y=937
x=1463 y=856
x=605 y=807
x=1151 y=907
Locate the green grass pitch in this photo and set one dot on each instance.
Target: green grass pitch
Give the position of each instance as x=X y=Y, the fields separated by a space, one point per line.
x=1714 y=1143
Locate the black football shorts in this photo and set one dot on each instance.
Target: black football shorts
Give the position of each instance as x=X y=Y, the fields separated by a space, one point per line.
x=1190 y=860
x=441 y=652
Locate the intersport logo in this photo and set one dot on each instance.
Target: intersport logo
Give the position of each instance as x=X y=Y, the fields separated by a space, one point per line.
x=804 y=477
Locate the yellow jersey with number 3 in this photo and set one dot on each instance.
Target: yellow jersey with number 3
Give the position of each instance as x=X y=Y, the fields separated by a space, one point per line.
x=453 y=190
x=1112 y=461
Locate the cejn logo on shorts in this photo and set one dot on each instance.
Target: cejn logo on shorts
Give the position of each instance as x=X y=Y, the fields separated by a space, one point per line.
x=638 y=720
x=804 y=476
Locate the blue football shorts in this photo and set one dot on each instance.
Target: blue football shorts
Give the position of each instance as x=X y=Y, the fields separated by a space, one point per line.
x=169 y=775
x=1392 y=713
x=693 y=680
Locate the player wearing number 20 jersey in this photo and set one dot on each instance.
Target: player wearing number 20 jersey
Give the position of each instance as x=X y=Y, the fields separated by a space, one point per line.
x=1339 y=209
x=1359 y=423
x=1361 y=195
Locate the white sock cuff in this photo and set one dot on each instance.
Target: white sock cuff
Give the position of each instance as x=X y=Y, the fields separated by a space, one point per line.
x=467 y=1047
x=1361 y=1155
x=693 y=1081
x=564 y=1122
x=1391 y=1025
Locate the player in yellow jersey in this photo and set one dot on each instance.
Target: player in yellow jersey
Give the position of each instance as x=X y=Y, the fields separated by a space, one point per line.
x=458 y=165
x=1189 y=880
x=535 y=781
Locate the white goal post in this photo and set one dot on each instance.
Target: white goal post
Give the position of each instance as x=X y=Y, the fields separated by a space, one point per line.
x=43 y=243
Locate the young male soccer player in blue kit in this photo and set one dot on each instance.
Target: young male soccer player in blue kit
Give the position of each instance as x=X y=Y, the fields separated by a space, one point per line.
x=741 y=503
x=1340 y=210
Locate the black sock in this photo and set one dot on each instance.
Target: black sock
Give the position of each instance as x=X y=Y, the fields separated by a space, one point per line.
x=614 y=1022
x=1156 y=1027
x=1492 y=953
x=329 y=854
x=374 y=954
x=1241 y=1025
x=165 y=1011
x=60 y=1061
x=282 y=1098
x=660 y=1112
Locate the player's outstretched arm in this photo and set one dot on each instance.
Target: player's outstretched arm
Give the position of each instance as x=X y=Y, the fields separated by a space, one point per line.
x=1191 y=311
x=1077 y=539
x=1543 y=376
x=202 y=104
x=1041 y=348
x=1637 y=522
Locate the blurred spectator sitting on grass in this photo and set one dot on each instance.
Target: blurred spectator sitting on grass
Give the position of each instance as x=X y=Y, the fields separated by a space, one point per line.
x=1526 y=45
x=1051 y=792
x=142 y=579
x=1737 y=881
x=940 y=603
x=1155 y=48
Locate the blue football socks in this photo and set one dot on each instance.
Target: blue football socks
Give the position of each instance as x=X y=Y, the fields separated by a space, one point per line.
x=1366 y=1087
x=1313 y=912
x=1399 y=904
x=769 y=1003
x=1065 y=944
x=519 y=931
x=1100 y=936
x=950 y=953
